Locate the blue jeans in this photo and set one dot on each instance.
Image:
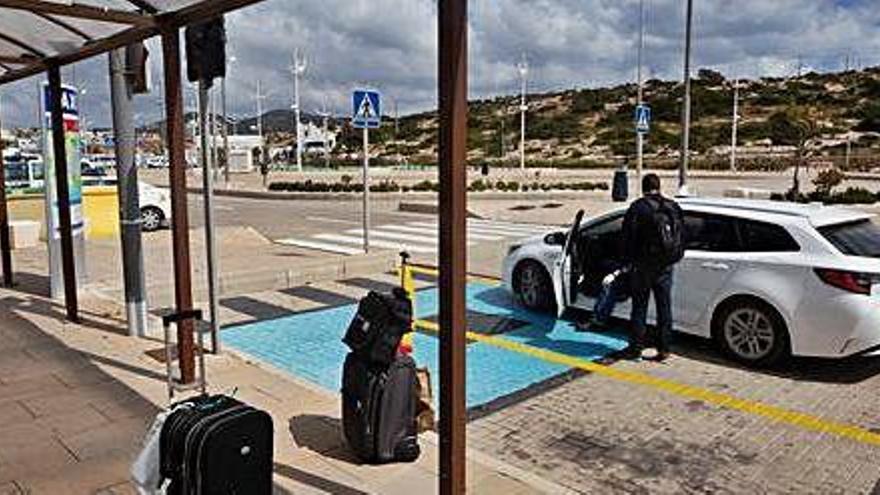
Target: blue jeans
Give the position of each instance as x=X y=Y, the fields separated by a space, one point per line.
x=643 y=284
x=608 y=297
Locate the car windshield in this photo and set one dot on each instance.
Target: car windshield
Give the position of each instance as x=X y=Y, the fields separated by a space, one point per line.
x=861 y=238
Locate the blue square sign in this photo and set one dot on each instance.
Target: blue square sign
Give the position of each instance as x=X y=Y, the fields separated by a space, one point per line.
x=366 y=109
x=643 y=119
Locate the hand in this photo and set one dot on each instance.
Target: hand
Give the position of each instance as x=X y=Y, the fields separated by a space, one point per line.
x=609 y=279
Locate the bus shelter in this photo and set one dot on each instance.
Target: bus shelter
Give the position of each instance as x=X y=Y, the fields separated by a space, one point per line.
x=41 y=36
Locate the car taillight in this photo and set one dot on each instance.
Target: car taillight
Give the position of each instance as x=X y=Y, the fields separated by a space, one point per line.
x=857 y=283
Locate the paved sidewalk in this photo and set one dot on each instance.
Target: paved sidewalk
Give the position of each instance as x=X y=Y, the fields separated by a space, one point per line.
x=75 y=401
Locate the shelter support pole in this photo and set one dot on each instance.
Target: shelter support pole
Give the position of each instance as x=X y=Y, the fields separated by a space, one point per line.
x=5 y=244
x=179 y=215
x=453 y=88
x=62 y=184
x=129 y=200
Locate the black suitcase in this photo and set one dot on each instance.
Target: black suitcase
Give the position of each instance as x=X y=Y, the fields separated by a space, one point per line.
x=380 y=323
x=213 y=445
x=379 y=409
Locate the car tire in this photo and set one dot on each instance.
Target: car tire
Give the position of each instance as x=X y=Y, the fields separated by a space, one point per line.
x=534 y=287
x=752 y=332
x=151 y=218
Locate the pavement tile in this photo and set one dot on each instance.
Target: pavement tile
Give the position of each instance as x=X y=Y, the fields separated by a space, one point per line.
x=121 y=438
x=88 y=477
x=22 y=388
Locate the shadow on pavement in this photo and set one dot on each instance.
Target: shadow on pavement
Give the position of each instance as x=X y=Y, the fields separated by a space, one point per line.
x=312 y=480
x=322 y=435
x=844 y=371
x=31 y=283
x=45 y=307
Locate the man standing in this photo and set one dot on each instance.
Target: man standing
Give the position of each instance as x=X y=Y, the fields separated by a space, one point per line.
x=653 y=244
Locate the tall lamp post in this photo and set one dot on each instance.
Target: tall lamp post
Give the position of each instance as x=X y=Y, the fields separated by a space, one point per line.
x=298 y=68
x=640 y=137
x=686 y=110
x=734 y=125
x=523 y=68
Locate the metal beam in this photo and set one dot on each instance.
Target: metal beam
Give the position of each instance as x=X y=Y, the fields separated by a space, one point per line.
x=165 y=21
x=5 y=245
x=17 y=60
x=21 y=44
x=143 y=5
x=62 y=185
x=174 y=132
x=453 y=88
x=79 y=11
x=66 y=26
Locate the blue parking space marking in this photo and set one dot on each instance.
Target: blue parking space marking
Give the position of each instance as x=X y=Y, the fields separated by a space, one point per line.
x=308 y=345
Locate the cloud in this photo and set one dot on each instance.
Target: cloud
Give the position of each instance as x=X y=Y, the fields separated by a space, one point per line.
x=392 y=45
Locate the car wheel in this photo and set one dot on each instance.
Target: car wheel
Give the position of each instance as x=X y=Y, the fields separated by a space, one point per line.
x=534 y=287
x=151 y=218
x=752 y=332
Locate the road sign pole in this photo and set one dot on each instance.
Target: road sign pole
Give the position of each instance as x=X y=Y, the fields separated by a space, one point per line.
x=640 y=138
x=366 y=178
x=686 y=107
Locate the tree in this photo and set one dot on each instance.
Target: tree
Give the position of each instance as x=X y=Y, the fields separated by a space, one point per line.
x=711 y=77
x=795 y=126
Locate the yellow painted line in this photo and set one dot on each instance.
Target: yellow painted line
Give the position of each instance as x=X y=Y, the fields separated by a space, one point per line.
x=433 y=272
x=774 y=413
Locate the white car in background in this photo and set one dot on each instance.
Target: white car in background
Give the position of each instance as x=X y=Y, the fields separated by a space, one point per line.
x=763 y=279
x=155 y=202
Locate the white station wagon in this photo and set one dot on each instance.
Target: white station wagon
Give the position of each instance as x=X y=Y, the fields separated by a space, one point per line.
x=764 y=279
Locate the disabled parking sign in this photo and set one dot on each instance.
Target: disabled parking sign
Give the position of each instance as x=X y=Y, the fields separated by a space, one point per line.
x=643 y=119
x=366 y=109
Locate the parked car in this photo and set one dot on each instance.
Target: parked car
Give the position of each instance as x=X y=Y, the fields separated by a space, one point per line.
x=155 y=202
x=764 y=279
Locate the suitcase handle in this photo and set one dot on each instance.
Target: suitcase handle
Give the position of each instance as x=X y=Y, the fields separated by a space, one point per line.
x=177 y=319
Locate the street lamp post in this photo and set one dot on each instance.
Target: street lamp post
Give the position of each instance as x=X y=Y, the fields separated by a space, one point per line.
x=735 y=125
x=640 y=137
x=523 y=68
x=298 y=68
x=686 y=111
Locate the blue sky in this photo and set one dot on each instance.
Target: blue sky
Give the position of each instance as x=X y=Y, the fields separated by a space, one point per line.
x=391 y=44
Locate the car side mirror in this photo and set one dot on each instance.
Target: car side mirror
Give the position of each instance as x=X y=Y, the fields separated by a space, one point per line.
x=555 y=239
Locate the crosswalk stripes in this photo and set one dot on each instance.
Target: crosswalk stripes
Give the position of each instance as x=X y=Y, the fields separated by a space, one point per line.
x=416 y=237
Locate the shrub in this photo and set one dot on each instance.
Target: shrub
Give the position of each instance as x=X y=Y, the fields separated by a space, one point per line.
x=827 y=180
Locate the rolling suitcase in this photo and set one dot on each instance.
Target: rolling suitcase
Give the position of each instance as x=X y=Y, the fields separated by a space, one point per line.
x=379 y=409
x=214 y=444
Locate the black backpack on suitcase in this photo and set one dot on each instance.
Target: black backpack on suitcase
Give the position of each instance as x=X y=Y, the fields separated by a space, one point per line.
x=380 y=323
x=379 y=409
x=216 y=445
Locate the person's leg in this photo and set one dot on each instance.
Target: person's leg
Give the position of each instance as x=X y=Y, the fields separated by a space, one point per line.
x=640 y=297
x=605 y=304
x=662 y=289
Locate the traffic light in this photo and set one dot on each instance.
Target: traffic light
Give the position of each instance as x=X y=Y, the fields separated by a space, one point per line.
x=206 y=51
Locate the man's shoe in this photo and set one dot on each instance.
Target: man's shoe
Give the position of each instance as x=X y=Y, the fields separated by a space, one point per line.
x=658 y=357
x=631 y=352
x=590 y=326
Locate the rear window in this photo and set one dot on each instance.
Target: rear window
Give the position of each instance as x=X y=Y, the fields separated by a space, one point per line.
x=760 y=237
x=861 y=238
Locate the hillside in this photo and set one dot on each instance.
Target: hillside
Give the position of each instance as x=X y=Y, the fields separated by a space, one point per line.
x=583 y=127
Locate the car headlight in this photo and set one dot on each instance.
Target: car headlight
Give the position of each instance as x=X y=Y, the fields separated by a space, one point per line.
x=513 y=248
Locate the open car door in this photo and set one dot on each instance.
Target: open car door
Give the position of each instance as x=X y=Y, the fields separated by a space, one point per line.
x=565 y=270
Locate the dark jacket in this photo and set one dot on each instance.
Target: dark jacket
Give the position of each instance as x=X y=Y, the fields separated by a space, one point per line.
x=638 y=228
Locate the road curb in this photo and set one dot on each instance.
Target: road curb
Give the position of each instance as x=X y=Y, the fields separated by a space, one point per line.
x=304 y=196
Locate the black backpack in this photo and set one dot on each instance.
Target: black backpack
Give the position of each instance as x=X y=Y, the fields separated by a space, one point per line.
x=666 y=244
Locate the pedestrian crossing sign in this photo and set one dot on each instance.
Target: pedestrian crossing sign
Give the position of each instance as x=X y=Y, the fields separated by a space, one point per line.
x=366 y=109
x=643 y=119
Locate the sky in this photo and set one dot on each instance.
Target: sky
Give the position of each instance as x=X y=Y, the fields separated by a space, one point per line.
x=391 y=45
